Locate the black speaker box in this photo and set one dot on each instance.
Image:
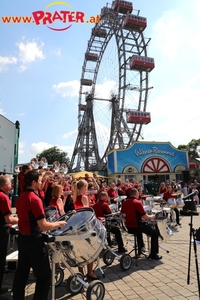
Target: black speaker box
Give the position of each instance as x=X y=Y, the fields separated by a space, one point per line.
x=186 y=176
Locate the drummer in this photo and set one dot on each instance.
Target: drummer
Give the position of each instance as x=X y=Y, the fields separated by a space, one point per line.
x=135 y=223
x=170 y=194
x=102 y=209
x=33 y=252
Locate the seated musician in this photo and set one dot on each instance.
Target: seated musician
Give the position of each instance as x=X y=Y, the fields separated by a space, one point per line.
x=101 y=209
x=135 y=223
x=170 y=194
x=112 y=193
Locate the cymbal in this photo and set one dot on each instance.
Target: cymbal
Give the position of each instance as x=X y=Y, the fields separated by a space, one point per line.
x=120 y=198
x=176 y=194
x=156 y=198
x=160 y=200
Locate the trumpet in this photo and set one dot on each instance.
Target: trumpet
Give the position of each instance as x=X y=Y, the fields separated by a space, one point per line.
x=44 y=162
x=64 y=168
x=34 y=163
x=56 y=166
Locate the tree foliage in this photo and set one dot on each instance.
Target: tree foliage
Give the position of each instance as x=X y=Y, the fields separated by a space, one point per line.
x=54 y=154
x=193 y=148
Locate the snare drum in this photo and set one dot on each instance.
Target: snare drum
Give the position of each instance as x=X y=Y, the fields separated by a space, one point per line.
x=147 y=208
x=113 y=207
x=51 y=213
x=172 y=203
x=78 y=250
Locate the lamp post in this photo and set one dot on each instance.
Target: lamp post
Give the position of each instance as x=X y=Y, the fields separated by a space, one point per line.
x=16 y=151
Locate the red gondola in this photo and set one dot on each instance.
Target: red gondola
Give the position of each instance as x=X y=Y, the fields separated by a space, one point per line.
x=138 y=117
x=91 y=56
x=82 y=107
x=106 y=9
x=136 y=23
x=86 y=81
x=142 y=63
x=122 y=7
x=99 y=32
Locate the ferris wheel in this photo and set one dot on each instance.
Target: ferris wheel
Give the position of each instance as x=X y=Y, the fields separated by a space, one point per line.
x=114 y=86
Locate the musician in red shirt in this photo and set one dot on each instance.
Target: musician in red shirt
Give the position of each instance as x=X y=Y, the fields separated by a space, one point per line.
x=135 y=223
x=6 y=218
x=112 y=193
x=170 y=194
x=101 y=209
x=33 y=252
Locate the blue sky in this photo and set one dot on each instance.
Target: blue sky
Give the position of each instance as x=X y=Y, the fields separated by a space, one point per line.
x=40 y=71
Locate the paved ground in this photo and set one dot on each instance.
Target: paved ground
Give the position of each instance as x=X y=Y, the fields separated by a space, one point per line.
x=152 y=280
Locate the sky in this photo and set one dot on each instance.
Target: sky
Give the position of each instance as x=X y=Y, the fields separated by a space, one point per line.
x=40 y=72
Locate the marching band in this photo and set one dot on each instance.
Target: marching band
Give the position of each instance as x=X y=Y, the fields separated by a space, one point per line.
x=41 y=188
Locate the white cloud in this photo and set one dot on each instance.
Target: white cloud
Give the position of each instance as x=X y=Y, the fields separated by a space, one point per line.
x=69 y=134
x=105 y=89
x=39 y=147
x=5 y=61
x=22 y=68
x=67 y=89
x=21 y=147
x=30 y=51
x=169 y=34
x=175 y=116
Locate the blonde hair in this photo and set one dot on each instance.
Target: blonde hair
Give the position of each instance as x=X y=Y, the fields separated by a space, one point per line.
x=57 y=190
x=77 y=187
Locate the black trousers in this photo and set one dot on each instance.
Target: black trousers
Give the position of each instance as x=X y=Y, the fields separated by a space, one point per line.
x=153 y=232
x=177 y=214
x=116 y=231
x=32 y=254
x=3 y=251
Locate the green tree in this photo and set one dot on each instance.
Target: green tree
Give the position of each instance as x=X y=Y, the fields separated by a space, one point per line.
x=193 y=148
x=54 y=154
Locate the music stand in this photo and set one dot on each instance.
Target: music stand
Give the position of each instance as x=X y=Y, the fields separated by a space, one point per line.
x=192 y=237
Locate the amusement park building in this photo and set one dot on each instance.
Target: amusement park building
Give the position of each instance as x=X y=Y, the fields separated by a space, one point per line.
x=148 y=161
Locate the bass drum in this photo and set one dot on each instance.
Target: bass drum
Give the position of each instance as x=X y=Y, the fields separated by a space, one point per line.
x=164 y=231
x=80 y=251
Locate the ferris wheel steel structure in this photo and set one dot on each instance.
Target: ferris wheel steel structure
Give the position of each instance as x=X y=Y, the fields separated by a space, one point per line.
x=128 y=92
